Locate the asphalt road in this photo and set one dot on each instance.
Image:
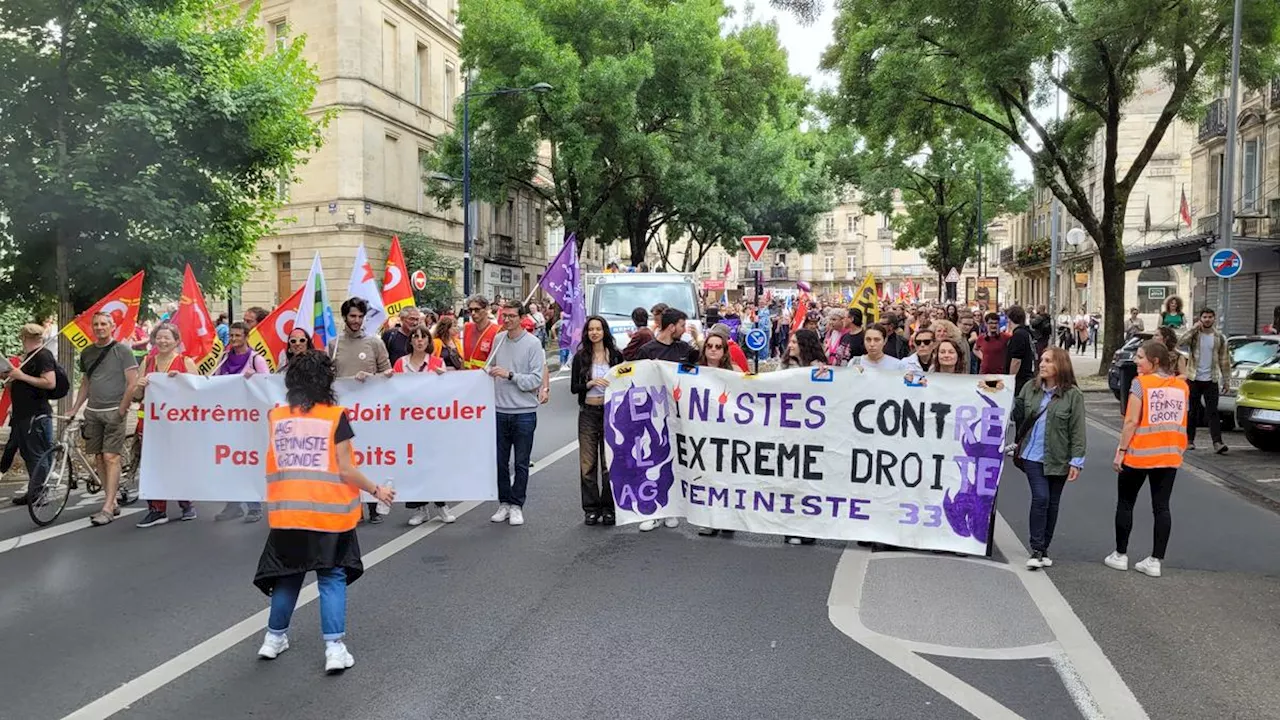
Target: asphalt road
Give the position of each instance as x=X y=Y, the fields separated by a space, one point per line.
x=558 y=620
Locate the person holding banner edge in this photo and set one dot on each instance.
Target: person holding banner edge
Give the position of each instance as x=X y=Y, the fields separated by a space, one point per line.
x=166 y=360
x=240 y=359
x=1049 y=416
x=313 y=507
x=588 y=378
x=359 y=356
x=805 y=349
x=716 y=353
x=421 y=360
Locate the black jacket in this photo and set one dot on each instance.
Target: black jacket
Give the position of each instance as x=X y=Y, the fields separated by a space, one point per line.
x=580 y=373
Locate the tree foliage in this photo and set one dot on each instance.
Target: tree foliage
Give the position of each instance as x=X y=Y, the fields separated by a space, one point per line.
x=422 y=252
x=938 y=182
x=141 y=134
x=649 y=96
x=998 y=62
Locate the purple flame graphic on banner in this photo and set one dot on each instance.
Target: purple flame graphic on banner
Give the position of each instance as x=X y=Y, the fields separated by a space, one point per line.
x=640 y=473
x=969 y=510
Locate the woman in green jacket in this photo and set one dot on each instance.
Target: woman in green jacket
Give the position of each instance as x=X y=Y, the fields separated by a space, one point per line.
x=1049 y=416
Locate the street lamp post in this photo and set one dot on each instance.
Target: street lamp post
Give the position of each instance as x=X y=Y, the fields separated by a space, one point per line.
x=1227 y=213
x=468 y=222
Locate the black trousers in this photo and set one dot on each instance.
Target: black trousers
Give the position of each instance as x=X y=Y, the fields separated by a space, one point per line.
x=1206 y=392
x=1131 y=480
x=597 y=495
x=34 y=438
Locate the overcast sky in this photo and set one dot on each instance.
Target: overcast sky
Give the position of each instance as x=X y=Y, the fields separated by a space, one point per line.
x=805 y=45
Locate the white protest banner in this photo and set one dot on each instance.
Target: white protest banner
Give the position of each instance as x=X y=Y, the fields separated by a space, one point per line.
x=848 y=455
x=206 y=438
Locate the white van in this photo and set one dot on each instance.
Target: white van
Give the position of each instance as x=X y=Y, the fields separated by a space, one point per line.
x=614 y=295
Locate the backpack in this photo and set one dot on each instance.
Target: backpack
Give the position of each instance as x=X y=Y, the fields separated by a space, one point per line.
x=61 y=383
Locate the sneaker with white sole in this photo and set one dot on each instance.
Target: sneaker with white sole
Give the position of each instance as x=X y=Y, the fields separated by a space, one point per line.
x=671 y=522
x=273 y=645
x=446 y=516
x=504 y=512
x=337 y=658
x=1036 y=561
x=1149 y=567
x=648 y=525
x=418 y=517
x=517 y=516
x=1116 y=561
x=1046 y=562
x=188 y=514
x=152 y=519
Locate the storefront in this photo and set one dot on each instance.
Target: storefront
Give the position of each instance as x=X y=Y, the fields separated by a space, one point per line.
x=1254 y=294
x=501 y=281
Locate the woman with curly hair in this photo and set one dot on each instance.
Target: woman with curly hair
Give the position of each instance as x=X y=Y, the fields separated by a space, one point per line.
x=1172 y=314
x=313 y=507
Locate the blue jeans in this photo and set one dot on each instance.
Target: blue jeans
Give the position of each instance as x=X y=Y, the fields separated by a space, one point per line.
x=333 y=602
x=564 y=356
x=515 y=431
x=1046 y=491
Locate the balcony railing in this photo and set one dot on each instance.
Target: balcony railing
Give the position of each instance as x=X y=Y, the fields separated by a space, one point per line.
x=1214 y=123
x=1275 y=92
x=502 y=248
x=1006 y=257
x=1207 y=224
x=1034 y=253
x=884 y=234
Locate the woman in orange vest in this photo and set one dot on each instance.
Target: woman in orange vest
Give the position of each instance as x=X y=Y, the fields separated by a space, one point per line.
x=446 y=344
x=313 y=507
x=1151 y=447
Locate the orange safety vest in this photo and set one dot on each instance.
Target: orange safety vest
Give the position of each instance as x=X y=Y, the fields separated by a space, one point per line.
x=475 y=350
x=304 y=488
x=1161 y=436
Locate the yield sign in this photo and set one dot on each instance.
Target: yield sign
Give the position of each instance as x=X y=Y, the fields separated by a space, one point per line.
x=755 y=245
x=953 y=276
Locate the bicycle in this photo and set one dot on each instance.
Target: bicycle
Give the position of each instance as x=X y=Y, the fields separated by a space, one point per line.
x=59 y=466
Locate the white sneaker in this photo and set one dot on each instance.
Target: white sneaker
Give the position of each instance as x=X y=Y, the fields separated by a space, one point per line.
x=648 y=525
x=1116 y=561
x=671 y=522
x=337 y=658
x=1046 y=561
x=1035 y=562
x=418 y=517
x=1149 y=567
x=517 y=516
x=445 y=515
x=504 y=512
x=273 y=645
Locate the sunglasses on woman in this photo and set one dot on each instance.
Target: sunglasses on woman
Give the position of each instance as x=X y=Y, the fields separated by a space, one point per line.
x=714 y=347
x=297 y=341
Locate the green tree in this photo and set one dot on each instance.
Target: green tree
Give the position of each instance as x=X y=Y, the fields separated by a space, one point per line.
x=141 y=134
x=938 y=184
x=999 y=62
x=421 y=252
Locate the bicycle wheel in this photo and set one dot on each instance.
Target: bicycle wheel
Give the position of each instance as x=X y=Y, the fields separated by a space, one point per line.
x=53 y=495
x=129 y=472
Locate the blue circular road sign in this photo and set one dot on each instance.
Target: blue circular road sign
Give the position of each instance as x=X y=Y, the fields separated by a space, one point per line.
x=1226 y=263
x=756 y=340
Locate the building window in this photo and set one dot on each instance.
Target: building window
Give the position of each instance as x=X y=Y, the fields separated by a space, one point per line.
x=421 y=170
x=829 y=263
x=851 y=264
x=831 y=223
x=282 y=188
x=781 y=259
x=391 y=169
x=1251 y=175
x=884 y=221
x=537 y=228
x=522 y=230
x=422 y=74
x=390 y=51
x=450 y=83
x=279 y=34
x=1215 y=183
x=848 y=221
x=886 y=257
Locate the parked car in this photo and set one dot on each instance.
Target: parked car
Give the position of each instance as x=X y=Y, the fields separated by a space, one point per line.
x=615 y=295
x=1123 y=369
x=1258 y=406
x=1248 y=352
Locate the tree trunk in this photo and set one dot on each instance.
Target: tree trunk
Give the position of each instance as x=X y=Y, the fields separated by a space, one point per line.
x=1111 y=253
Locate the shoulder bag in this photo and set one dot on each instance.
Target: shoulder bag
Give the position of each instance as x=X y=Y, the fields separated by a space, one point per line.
x=1026 y=431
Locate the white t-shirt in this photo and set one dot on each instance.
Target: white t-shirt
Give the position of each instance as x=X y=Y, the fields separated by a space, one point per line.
x=886 y=362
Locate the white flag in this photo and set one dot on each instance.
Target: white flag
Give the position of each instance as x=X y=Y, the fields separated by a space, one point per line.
x=362 y=285
x=314 y=312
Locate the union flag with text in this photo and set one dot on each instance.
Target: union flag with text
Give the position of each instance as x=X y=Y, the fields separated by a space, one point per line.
x=200 y=341
x=121 y=304
x=396 y=292
x=270 y=338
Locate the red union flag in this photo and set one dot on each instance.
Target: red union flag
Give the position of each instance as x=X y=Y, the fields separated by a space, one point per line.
x=270 y=338
x=195 y=326
x=121 y=304
x=5 y=400
x=396 y=293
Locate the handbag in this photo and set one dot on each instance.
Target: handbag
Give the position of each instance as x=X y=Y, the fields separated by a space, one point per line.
x=1026 y=430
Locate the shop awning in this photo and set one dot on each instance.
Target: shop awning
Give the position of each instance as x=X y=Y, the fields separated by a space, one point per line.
x=1180 y=251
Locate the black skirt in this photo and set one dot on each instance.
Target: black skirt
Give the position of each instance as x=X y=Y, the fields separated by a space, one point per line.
x=293 y=552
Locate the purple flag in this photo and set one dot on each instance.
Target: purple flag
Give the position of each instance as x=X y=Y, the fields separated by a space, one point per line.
x=563 y=284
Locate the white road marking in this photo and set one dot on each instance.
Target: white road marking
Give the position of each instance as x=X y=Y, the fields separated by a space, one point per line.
x=1093 y=683
x=49 y=533
x=143 y=685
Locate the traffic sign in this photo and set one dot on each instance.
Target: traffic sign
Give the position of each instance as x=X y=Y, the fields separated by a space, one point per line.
x=756 y=339
x=755 y=245
x=1226 y=263
x=953 y=276
x=755 y=266
x=419 y=279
